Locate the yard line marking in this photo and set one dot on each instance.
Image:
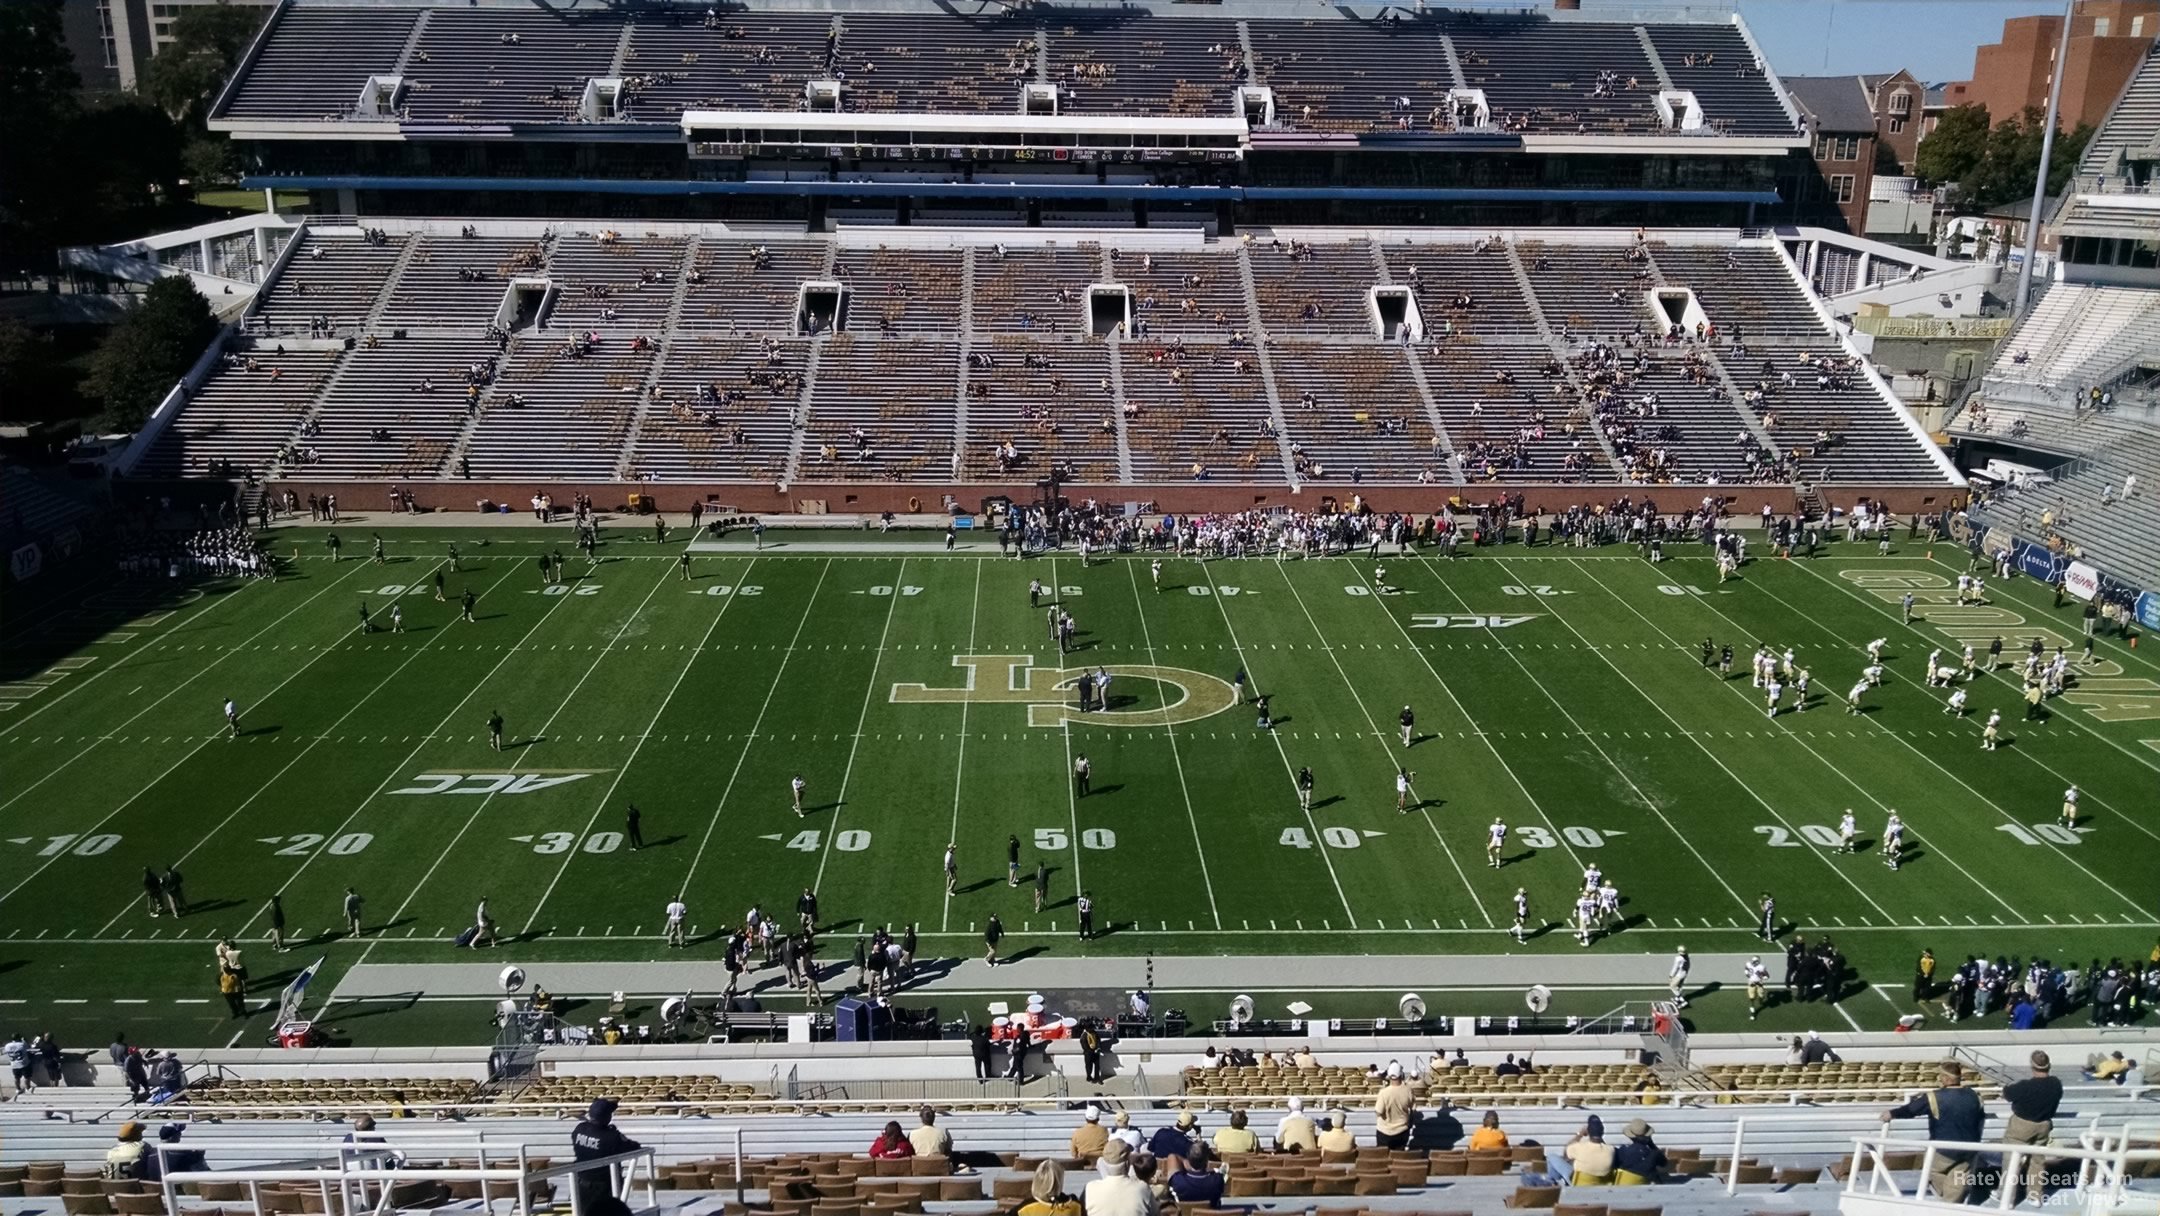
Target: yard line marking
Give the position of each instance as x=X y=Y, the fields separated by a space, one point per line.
x=175 y=631
x=960 y=760
x=95 y=740
x=1849 y=1019
x=2021 y=753
x=600 y=806
x=524 y=752
x=1374 y=726
x=1072 y=787
x=1284 y=752
x=396 y=773
x=1464 y=710
x=1642 y=798
x=756 y=724
x=1824 y=760
x=1147 y=638
x=294 y=674
x=260 y=790
x=2006 y=815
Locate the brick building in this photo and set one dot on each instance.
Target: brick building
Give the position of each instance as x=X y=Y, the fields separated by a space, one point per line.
x=2108 y=39
x=1833 y=190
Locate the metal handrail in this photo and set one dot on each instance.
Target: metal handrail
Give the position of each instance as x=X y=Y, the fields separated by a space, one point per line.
x=2102 y=1171
x=464 y=1112
x=354 y=1165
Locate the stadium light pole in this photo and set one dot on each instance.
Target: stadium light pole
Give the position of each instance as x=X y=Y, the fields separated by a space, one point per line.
x=2047 y=152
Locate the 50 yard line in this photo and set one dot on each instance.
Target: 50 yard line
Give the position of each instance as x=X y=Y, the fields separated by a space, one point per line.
x=1147 y=637
x=960 y=760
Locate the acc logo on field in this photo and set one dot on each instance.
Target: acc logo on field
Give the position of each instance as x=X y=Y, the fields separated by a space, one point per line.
x=1013 y=679
x=489 y=783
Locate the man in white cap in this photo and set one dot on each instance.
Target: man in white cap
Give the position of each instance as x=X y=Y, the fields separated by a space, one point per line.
x=1392 y=1108
x=1295 y=1131
x=1089 y=1138
x=1117 y=1192
x=1676 y=977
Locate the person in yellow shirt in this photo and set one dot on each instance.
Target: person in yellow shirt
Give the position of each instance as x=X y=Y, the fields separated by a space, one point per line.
x=1488 y=1135
x=1335 y=1133
x=1236 y=1138
x=1589 y=1155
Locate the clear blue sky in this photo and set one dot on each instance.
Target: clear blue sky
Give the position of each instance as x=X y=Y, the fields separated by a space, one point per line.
x=1934 y=38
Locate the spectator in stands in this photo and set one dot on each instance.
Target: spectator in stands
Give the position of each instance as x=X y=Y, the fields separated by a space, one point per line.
x=17 y=1051
x=1953 y=1113
x=2110 y=1067
x=593 y=1139
x=1588 y=1156
x=137 y=1071
x=1156 y=1179
x=1197 y=1181
x=1236 y=1138
x=929 y=1139
x=1090 y=1137
x=1639 y=1162
x=1488 y=1135
x=1048 y=1193
x=1335 y=1133
x=167 y=1077
x=178 y=1161
x=1392 y=1110
x=891 y=1144
x=1815 y=1051
x=1117 y=1192
x=2033 y=1103
x=1296 y=1132
x=125 y=1158
x=1127 y=1132
x=1175 y=1143
x=1304 y=1058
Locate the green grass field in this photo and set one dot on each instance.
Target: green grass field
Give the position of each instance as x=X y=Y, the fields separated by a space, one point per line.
x=1559 y=690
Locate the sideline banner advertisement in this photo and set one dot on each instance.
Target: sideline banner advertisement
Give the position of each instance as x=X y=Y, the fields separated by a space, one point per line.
x=2034 y=561
x=2148 y=610
x=2081 y=580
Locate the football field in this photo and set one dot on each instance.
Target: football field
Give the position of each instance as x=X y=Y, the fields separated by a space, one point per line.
x=923 y=700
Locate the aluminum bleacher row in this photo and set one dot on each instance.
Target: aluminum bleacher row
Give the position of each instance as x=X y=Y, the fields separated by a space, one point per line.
x=687 y=354
x=484 y=64
x=1739 y=1137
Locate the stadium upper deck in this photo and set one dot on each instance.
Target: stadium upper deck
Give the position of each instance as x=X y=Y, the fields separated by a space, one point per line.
x=888 y=100
x=1440 y=73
